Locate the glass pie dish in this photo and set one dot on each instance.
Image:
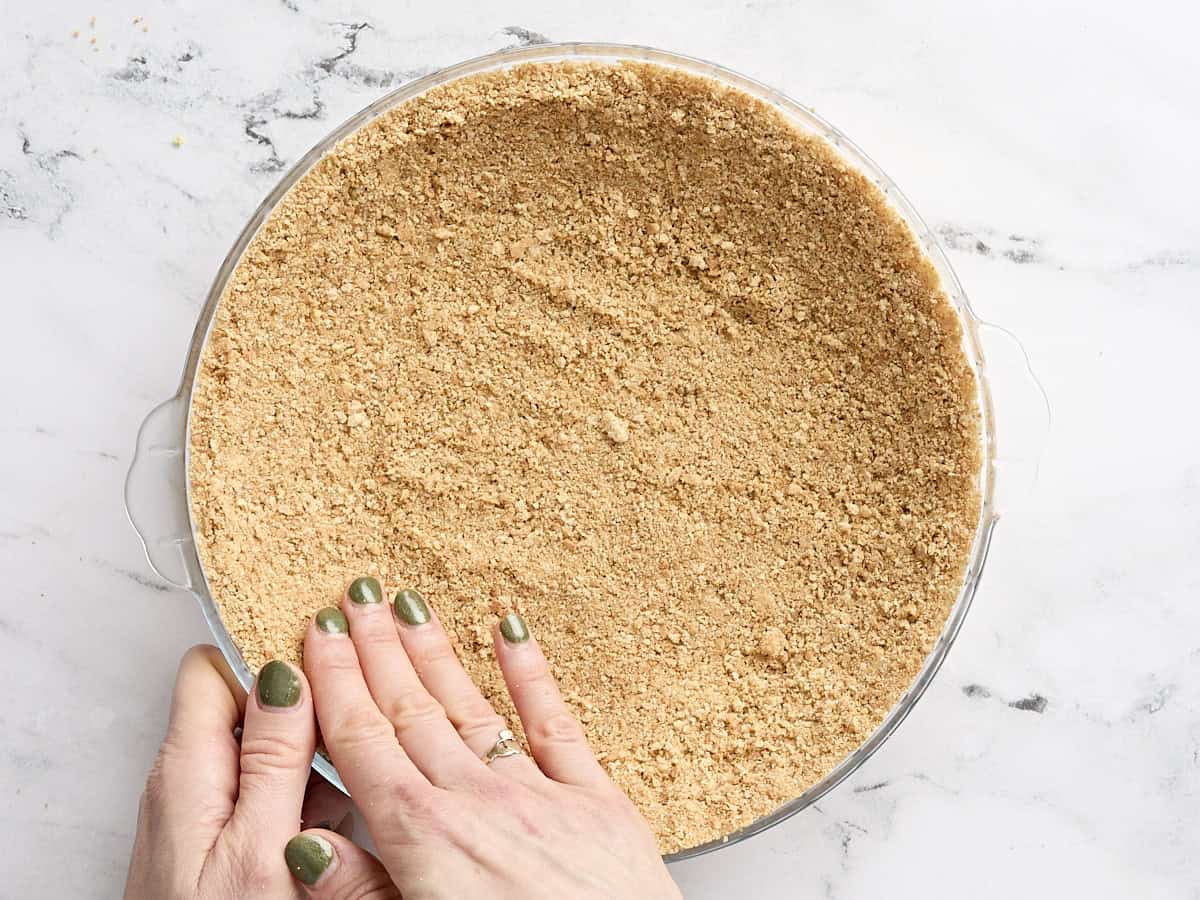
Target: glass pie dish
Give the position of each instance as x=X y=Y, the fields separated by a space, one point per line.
x=157 y=491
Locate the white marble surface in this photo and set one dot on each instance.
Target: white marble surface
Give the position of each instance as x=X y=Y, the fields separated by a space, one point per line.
x=1053 y=143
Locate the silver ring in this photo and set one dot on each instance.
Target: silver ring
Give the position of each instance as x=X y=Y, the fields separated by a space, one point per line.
x=506 y=745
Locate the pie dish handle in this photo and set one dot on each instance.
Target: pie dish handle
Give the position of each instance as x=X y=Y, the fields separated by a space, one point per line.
x=156 y=494
x=1023 y=413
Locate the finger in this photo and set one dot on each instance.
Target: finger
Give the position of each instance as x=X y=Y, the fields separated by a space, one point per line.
x=198 y=762
x=554 y=734
x=332 y=868
x=360 y=740
x=420 y=722
x=324 y=805
x=191 y=791
x=278 y=741
x=433 y=657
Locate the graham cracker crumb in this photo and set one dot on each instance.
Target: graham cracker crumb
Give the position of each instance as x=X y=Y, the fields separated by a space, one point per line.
x=621 y=349
x=773 y=646
x=616 y=428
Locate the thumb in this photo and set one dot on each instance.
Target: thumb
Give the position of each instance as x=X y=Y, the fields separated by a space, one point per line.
x=333 y=868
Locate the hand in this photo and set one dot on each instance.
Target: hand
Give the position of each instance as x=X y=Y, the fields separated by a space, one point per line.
x=406 y=728
x=217 y=812
x=216 y=816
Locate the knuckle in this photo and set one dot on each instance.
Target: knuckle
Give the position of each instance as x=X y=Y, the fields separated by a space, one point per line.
x=360 y=726
x=435 y=654
x=412 y=705
x=531 y=667
x=557 y=728
x=378 y=632
x=272 y=754
x=338 y=665
x=474 y=715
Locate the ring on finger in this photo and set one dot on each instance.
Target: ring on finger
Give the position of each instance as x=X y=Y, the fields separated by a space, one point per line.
x=506 y=745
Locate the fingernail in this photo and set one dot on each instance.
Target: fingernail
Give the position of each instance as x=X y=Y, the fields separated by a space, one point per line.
x=308 y=856
x=278 y=685
x=365 y=590
x=411 y=608
x=514 y=629
x=331 y=621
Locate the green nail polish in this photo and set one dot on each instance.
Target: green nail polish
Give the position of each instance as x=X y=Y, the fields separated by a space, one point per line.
x=411 y=608
x=331 y=621
x=514 y=629
x=278 y=685
x=308 y=856
x=366 y=590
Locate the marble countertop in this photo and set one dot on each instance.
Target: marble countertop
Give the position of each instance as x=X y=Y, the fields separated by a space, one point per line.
x=1051 y=144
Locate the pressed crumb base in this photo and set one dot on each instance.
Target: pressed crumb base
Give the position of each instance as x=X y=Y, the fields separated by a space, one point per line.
x=620 y=349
